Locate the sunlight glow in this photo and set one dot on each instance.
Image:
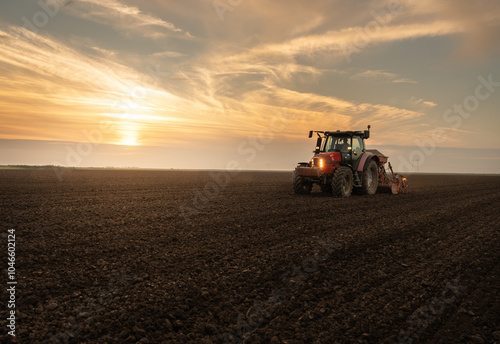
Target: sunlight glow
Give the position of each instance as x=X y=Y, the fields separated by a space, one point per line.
x=129 y=133
x=140 y=117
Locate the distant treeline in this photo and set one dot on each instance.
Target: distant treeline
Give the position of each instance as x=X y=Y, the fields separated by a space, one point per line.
x=32 y=167
x=49 y=167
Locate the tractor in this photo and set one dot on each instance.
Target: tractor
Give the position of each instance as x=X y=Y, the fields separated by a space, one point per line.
x=342 y=165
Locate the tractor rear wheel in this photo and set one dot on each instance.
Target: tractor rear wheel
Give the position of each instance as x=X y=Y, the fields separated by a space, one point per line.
x=300 y=186
x=342 y=182
x=370 y=179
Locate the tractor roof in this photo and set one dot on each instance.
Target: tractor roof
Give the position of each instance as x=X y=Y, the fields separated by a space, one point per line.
x=346 y=133
x=363 y=134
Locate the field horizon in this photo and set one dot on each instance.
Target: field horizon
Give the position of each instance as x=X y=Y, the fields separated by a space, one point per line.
x=119 y=168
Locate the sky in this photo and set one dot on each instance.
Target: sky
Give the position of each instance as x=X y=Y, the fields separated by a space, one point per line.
x=212 y=84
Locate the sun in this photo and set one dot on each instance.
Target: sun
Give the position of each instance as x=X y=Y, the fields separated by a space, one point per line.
x=129 y=141
x=129 y=134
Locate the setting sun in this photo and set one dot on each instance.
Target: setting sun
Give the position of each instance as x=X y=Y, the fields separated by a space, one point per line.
x=129 y=134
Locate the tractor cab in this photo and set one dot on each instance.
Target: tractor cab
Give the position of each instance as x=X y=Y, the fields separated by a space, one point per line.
x=346 y=146
x=350 y=147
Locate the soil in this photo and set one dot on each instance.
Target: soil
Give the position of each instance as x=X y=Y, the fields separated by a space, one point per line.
x=173 y=257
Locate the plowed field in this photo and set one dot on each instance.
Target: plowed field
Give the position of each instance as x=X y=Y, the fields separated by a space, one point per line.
x=194 y=257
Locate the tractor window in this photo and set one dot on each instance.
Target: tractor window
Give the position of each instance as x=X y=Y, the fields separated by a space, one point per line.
x=357 y=145
x=339 y=143
x=329 y=146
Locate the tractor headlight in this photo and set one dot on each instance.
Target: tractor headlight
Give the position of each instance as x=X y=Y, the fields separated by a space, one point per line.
x=321 y=163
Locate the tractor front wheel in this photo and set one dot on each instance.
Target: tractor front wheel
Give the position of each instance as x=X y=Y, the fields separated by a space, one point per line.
x=300 y=186
x=370 y=179
x=342 y=182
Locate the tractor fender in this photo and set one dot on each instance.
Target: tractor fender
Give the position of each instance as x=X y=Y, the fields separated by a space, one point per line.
x=364 y=161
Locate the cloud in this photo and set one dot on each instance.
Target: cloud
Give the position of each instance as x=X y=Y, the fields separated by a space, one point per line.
x=127 y=18
x=247 y=95
x=404 y=81
x=52 y=91
x=479 y=22
x=229 y=82
x=376 y=74
x=422 y=102
x=104 y=52
x=382 y=75
x=47 y=58
x=341 y=42
x=307 y=27
x=476 y=23
x=169 y=54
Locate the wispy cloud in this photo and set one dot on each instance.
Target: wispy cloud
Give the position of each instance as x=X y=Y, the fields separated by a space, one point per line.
x=404 y=81
x=339 y=40
x=50 y=85
x=382 y=75
x=308 y=26
x=127 y=18
x=234 y=92
x=230 y=82
x=169 y=54
x=422 y=102
x=477 y=21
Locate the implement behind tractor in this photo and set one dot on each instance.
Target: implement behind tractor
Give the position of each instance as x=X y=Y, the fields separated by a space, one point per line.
x=341 y=165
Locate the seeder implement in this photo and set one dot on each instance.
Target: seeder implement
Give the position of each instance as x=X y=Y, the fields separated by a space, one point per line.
x=393 y=181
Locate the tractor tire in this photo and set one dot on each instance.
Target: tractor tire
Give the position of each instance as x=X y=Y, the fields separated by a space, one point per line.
x=342 y=182
x=369 y=183
x=300 y=186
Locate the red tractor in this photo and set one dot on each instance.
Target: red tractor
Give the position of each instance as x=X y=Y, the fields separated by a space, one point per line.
x=341 y=164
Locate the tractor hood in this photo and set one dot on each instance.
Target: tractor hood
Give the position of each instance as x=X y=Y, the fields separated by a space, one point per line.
x=326 y=161
x=329 y=156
